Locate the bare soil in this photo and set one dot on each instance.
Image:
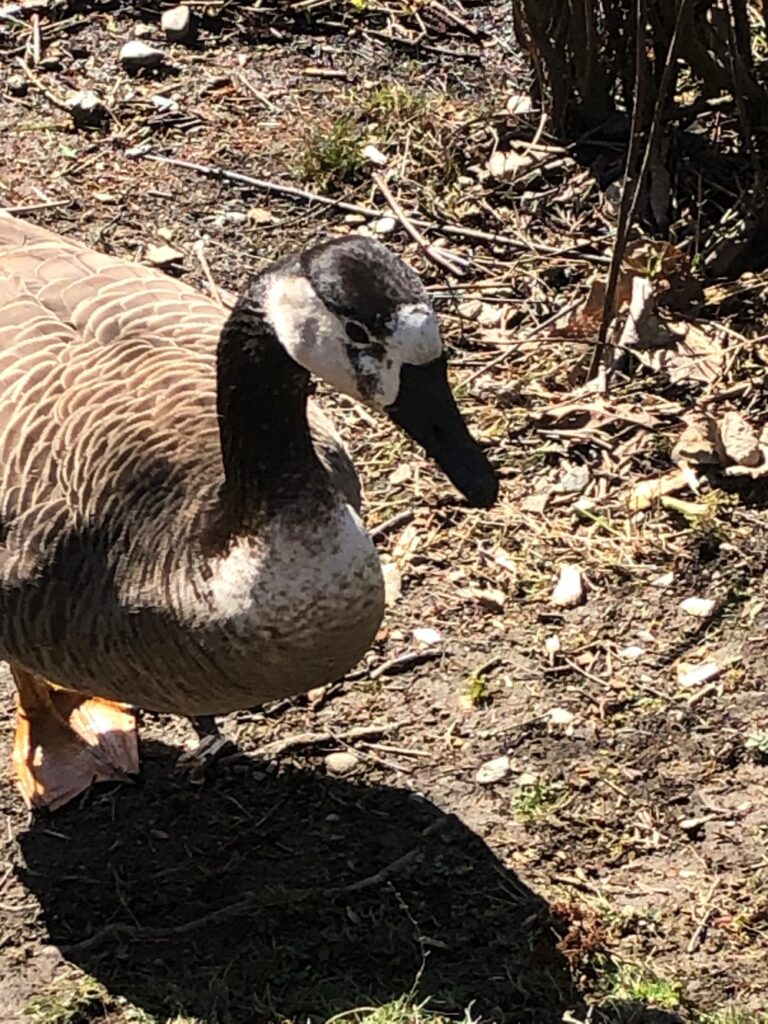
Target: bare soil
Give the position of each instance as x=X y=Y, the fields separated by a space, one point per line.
x=617 y=870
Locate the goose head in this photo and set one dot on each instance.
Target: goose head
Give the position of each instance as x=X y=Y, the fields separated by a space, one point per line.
x=353 y=314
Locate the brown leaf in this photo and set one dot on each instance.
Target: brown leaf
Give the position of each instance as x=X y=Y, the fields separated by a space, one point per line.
x=646 y=492
x=699 y=441
x=739 y=441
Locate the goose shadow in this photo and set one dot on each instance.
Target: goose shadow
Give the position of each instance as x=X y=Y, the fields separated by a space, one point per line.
x=264 y=896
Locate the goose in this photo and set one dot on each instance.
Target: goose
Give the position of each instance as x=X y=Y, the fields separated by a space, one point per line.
x=179 y=521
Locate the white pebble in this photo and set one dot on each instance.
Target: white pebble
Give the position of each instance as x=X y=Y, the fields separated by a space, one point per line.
x=162 y=255
x=691 y=676
x=561 y=716
x=374 y=155
x=570 y=587
x=632 y=652
x=699 y=607
x=385 y=225
x=341 y=762
x=176 y=23
x=493 y=771
x=86 y=108
x=136 y=55
x=425 y=635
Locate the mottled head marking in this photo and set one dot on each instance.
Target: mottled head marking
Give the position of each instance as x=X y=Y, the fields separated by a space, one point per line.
x=361 y=279
x=351 y=312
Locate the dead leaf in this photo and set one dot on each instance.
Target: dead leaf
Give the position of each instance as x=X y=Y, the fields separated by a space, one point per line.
x=647 y=492
x=407 y=544
x=401 y=474
x=699 y=441
x=506 y=165
x=519 y=103
x=535 y=503
x=739 y=441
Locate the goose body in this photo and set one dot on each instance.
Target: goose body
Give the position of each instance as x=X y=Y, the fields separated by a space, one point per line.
x=179 y=527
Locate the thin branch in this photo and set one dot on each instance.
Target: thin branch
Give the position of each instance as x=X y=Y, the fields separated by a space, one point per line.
x=278 y=188
x=625 y=210
x=629 y=206
x=439 y=259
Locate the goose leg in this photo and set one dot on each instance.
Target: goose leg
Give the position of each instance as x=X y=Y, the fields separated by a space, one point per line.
x=65 y=741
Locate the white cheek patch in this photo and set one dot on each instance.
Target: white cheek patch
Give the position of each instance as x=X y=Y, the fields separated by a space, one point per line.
x=308 y=331
x=417 y=333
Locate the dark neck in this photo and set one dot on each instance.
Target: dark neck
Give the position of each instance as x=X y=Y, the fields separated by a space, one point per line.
x=269 y=458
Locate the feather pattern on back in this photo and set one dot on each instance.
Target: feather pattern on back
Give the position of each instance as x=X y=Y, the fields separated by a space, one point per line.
x=110 y=470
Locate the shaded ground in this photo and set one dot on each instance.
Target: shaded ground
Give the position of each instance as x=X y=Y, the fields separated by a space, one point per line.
x=620 y=860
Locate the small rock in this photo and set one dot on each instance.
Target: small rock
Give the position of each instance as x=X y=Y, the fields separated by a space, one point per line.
x=87 y=109
x=165 y=104
x=527 y=779
x=699 y=607
x=229 y=217
x=143 y=31
x=176 y=23
x=428 y=636
x=374 y=155
x=691 y=676
x=393 y=583
x=663 y=581
x=493 y=771
x=162 y=255
x=692 y=824
x=17 y=85
x=260 y=215
x=535 y=503
x=575 y=478
x=136 y=55
x=355 y=220
x=552 y=647
x=570 y=587
x=385 y=225
x=632 y=652
x=561 y=716
x=341 y=762
x=471 y=309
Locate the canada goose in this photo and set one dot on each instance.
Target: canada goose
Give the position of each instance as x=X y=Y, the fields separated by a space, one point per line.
x=178 y=525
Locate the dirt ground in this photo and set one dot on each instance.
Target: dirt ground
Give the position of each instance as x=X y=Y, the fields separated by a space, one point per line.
x=611 y=863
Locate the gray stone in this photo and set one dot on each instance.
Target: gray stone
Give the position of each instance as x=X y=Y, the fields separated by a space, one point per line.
x=340 y=763
x=136 y=55
x=176 y=23
x=87 y=109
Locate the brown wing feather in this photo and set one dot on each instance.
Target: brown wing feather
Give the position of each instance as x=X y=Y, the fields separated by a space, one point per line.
x=107 y=394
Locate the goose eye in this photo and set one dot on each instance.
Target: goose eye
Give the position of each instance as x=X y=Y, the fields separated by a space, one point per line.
x=356 y=333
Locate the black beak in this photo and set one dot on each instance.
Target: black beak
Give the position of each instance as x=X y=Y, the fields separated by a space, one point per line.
x=426 y=409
